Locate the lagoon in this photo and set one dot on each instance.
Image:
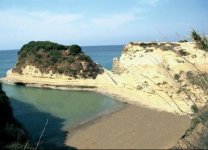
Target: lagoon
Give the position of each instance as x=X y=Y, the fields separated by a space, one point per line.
x=63 y=109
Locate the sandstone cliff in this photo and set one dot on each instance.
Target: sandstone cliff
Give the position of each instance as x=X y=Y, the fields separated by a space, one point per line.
x=157 y=75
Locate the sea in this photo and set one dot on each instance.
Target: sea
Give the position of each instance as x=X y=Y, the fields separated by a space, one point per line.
x=58 y=110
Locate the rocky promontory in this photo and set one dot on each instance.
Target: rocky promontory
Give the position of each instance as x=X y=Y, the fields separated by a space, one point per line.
x=43 y=57
x=161 y=75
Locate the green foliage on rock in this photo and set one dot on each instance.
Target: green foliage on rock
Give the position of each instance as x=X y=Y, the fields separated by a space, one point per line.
x=75 y=49
x=60 y=59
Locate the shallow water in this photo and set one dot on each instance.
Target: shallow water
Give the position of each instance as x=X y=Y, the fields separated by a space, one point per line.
x=63 y=109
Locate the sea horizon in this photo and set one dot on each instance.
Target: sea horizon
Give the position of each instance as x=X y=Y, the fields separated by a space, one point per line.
x=16 y=49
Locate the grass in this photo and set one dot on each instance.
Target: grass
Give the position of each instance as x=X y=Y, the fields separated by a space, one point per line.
x=200 y=79
x=197 y=135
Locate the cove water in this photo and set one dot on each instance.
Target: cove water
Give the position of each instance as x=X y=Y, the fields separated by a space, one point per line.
x=58 y=110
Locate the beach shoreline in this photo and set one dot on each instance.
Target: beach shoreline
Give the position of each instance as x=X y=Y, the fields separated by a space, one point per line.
x=101 y=132
x=104 y=85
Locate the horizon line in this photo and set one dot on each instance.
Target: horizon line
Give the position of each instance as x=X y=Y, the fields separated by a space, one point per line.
x=15 y=49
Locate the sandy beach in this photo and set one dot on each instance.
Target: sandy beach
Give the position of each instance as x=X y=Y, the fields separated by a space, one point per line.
x=133 y=127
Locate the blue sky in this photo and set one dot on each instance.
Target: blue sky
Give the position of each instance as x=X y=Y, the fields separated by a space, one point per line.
x=99 y=22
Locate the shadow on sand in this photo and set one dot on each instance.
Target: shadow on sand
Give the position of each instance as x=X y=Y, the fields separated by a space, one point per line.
x=34 y=121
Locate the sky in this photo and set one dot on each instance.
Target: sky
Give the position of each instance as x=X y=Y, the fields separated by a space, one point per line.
x=99 y=22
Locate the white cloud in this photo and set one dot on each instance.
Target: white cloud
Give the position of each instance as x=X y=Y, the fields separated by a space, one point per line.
x=23 y=20
x=113 y=21
x=21 y=27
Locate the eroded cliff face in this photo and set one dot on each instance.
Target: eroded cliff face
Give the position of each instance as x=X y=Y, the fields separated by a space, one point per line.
x=164 y=69
x=169 y=54
x=33 y=71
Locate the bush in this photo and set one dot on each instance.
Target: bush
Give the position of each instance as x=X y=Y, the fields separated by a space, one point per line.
x=200 y=80
x=84 y=57
x=201 y=40
x=176 y=76
x=182 y=41
x=183 y=52
x=71 y=59
x=194 y=108
x=60 y=70
x=75 y=49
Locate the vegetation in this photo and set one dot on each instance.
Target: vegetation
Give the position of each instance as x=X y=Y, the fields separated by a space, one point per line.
x=182 y=41
x=200 y=40
x=200 y=80
x=192 y=87
x=48 y=56
x=196 y=137
x=182 y=52
x=12 y=134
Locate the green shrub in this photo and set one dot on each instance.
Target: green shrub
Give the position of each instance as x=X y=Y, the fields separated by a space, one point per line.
x=182 y=52
x=194 y=108
x=182 y=41
x=201 y=40
x=176 y=76
x=84 y=57
x=60 y=70
x=75 y=49
x=71 y=59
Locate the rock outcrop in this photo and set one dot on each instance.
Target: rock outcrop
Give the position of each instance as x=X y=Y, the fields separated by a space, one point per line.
x=156 y=75
x=44 y=58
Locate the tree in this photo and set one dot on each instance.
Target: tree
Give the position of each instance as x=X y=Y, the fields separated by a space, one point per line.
x=75 y=49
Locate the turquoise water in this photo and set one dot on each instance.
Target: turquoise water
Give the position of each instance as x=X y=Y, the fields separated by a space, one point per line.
x=63 y=109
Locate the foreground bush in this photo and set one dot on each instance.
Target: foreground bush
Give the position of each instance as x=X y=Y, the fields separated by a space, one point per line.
x=196 y=137
x=201 y=40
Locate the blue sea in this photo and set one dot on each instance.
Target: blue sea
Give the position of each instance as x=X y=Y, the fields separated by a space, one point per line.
x=63 y=109
x=100 y=54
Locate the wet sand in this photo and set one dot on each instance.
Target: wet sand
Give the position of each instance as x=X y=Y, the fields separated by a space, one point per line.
x=133 y=127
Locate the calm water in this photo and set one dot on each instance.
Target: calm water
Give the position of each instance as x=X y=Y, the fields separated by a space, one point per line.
x=63 y=109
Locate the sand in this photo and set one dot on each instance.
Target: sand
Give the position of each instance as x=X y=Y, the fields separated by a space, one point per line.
x=131 y=128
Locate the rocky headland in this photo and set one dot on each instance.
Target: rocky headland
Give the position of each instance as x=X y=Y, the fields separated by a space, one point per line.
x=151 y=74
x=166 y=76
